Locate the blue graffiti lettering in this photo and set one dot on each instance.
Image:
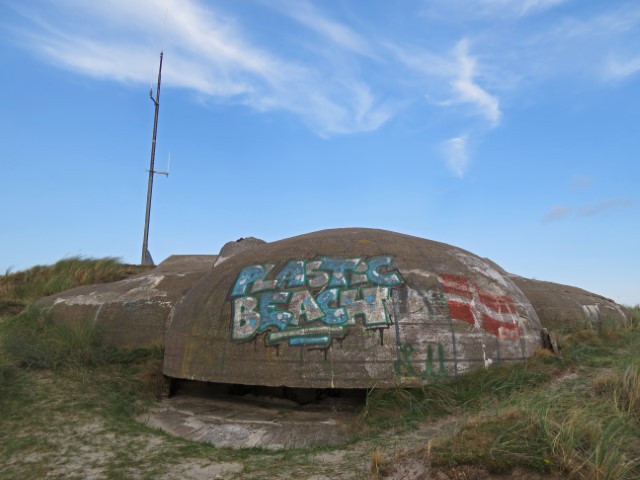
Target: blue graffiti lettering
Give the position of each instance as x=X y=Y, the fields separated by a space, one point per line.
x=287 y=311
x=316 y=278
x=245 y=319
x=292 y=275
x=339 y=268
x=247 y=276
x=270 y=314
x=261 y=284
x=303 y=304
x=378 y=278
x=371 y=306
x=333 y=315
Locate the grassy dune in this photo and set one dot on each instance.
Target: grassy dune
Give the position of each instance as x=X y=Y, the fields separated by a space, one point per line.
x=68 y=408
x=21 y=288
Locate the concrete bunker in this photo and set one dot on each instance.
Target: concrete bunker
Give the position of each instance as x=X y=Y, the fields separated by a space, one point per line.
x=131 y=313
x=348 y=308
x=563 y=308
x=262 y=340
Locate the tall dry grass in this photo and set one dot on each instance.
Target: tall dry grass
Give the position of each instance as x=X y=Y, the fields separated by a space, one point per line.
x=29 y=285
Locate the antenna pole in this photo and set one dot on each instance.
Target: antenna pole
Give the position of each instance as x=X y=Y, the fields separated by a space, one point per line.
x=146 y=256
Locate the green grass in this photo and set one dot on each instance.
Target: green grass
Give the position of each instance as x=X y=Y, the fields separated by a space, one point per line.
x=550 y=431
x=583 y=424
x=33 y=340
x=68 y=407
x=21 y=288
x=633 y=313
x=576 y=415
x=406 y=407
x=621 y=388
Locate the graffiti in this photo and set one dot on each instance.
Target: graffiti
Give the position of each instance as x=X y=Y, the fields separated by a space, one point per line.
x=312 y=302
x=405 y=365
x=495 y=314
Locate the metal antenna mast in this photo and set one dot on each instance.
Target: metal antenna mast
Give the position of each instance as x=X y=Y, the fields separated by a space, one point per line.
x=146 y=256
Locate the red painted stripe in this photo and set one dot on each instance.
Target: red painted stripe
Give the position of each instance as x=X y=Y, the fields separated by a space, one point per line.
x=454 y=285
x=461 y=311
x=500 y=329
x=501 y=304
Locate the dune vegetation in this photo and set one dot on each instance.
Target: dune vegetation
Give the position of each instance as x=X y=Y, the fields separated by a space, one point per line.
x=69 y=406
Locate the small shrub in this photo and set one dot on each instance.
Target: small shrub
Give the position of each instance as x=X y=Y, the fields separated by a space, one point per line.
x=378 y=467
x=584 y=441
x=10 y=307
x=496 y=442
x=386 y=408
x=6 y=369
x=552 y=433
x=150 y=374
x=586 y=336
x=633 y=314
x=622 y=389
x=33 y=340
x=611 y=334
x=543 y=354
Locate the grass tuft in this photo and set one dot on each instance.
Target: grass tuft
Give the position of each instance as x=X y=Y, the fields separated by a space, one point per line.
x=28 y=336
x=574 y=415
x=580 y=441
x=583 y=424
x=7 y=371
x=378 y=466
x=622 y=389
x=633 y=314
x=402 y=407
x=33 y=340
x=29 y=285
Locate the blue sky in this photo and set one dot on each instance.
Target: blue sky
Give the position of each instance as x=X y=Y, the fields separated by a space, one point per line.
x=510 y=128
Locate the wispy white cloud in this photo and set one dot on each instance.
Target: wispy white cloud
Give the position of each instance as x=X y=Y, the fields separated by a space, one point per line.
x=601 y=207
x=308 y=15
x=210 y=54
x=337 y=80
x=209 y=47
x=459 y=69
x=468 y=90
x=617 y=69
x=490 y=9
x=605 y=24
x=592 y=46
x=559 y=212
x=517 y=7
x=562 y=212
x=426 y=63
x=456 y=155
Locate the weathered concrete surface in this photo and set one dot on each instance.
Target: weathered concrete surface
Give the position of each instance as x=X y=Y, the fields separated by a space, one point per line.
x=238 y=422
x=348 y=308
x=230 y=249
x=133 y=312
x=563 y=308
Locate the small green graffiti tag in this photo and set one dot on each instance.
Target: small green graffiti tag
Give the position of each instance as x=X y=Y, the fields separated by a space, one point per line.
x=310 y=302
x=404 y=366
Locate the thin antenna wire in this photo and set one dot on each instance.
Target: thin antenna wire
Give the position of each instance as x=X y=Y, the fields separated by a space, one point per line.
x=162 y=39
x=164 y=29
x=151 y=79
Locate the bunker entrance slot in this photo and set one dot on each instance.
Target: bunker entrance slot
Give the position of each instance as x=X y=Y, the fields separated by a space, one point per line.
x=335 y=399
